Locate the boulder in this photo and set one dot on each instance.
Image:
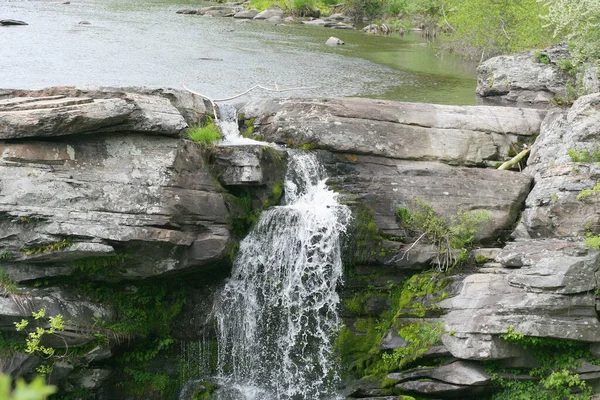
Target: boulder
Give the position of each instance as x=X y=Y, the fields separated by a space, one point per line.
x=315 y=22
x=333 y=41
x=563 y=162
x=270 y=12
x=532 y=76
x=246 y=14
x=549 y=292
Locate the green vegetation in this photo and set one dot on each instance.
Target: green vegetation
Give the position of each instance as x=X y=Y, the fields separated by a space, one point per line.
x=47 y=248
x=207 y=134
x=7 y=285
x=587 y=193
x=593 y=241
x=35 y=390
x=584 y=155
x=481 y=259
x=96 y=265
x=556 y=359
x=358 y=345
x=34 y=337
x=451 y=237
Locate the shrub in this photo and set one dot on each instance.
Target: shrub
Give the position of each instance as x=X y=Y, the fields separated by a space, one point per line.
x=451 y=237
x=206 y=135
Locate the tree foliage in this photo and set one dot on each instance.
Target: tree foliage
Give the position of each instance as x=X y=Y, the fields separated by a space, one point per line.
x=577 y=22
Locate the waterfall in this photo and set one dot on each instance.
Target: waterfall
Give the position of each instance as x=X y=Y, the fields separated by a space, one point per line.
x=228 y=124
x=277 y=315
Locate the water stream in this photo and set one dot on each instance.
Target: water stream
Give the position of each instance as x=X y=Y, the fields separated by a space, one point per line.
x=277 y=315
x=135 y=42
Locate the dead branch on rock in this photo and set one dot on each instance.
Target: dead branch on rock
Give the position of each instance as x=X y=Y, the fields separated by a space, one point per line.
x=515 y=160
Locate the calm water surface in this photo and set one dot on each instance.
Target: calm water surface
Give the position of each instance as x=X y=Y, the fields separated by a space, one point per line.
x=144 y=42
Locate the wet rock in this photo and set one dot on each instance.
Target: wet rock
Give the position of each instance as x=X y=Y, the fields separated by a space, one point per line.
x=246 y=14
x=252 y=165
x=339 y=25
x=11 y=22
x=270 y=12
x=458 y=373
x=333 y=41
x=435 y=388
x=372 y=28
x=315 y=22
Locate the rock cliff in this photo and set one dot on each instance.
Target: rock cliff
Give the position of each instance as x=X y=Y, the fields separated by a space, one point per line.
x=112 y=219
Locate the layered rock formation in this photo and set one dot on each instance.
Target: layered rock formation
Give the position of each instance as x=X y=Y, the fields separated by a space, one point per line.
x=101 y=186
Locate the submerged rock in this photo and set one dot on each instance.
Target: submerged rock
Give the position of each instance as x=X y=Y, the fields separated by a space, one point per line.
x=9 y=22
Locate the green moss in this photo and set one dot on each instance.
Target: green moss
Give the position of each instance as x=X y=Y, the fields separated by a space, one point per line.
x=47 y=248
x=541 y=58
x=593 y=241
x=481 y=259
x=308 y=146
x=420 y=337
x=97 y=265
x=7 y=285
x=206 y=392
x=584 y=155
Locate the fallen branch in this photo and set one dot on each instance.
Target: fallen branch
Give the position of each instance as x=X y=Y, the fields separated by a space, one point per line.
x=515 y=160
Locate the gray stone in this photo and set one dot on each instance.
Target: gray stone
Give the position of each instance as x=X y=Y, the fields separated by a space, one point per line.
x=315 y=22
x=392 y=341
x=89 y=379
x=550 y=295
x=270 y=12
x=410 y=131
x=18 y=364
x=246 y=14
x=435 y=388
x=458 y=373
x=333 y=41
x=552 y=208
x=521 y=78
x=384 y=184
x=152 y=196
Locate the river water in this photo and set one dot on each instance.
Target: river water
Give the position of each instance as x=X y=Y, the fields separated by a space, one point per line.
x=144 y=42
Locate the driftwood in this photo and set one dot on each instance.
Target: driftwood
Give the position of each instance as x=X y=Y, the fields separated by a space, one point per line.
x=515 y=160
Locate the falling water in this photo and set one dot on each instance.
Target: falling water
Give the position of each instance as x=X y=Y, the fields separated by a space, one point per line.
x=277 y=315
x=228 y=124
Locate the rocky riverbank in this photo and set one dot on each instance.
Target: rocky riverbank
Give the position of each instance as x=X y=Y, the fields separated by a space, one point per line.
x=114 y=220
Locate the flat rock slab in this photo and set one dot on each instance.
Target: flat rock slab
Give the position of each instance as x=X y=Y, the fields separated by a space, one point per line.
x=548 y=293
x=456 y=373
x=384 y=184
x=459 y=135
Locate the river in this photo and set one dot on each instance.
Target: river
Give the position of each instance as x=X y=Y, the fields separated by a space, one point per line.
x=144 y=42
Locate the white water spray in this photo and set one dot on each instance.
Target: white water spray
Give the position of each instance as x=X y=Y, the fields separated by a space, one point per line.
x=228 y=124
x=277 y=315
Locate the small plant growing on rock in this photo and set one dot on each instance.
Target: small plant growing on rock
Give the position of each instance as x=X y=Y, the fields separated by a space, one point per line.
x=451 y=237
x=586 y=193
x=207 y=134
x=34 y=337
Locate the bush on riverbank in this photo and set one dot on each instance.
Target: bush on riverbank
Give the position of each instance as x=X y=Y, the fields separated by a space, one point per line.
x=478 y=29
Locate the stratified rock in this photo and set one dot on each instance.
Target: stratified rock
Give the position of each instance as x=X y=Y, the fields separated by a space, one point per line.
x=550 y=294
x=333 y=41
x=9 y=22
x=251 y=165
x=533 y=76
x=552 y=208
x=246 y=14
x=457 y=373
x=270 y=12
x=105 y=188
x=409 y=131
x=384 y=184
x=18 y=364
x=435 y=388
